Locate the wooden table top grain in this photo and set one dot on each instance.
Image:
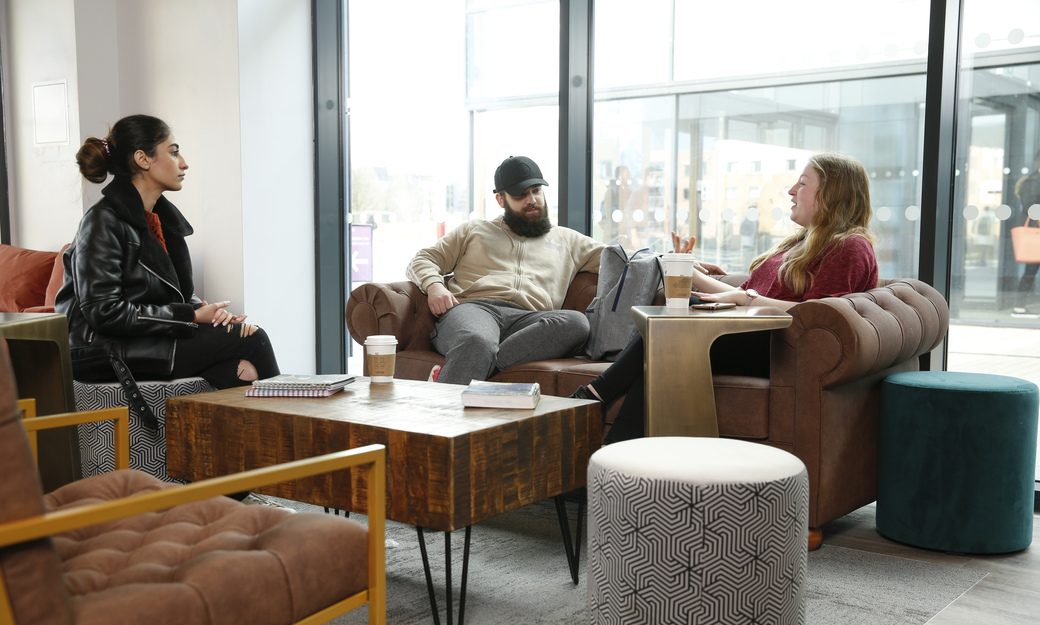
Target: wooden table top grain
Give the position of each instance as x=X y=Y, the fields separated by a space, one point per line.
x=447 y=466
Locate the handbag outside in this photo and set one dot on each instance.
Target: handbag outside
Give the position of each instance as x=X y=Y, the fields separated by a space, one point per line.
x=1026 y=243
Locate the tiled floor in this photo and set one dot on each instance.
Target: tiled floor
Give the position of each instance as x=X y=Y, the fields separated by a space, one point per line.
x=1008 y=595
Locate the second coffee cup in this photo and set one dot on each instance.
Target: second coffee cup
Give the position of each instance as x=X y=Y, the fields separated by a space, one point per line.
x=381 y=357
x=678 y=279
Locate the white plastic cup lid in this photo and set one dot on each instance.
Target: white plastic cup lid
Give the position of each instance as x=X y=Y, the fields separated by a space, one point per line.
x=381 y=339
x=676 y=257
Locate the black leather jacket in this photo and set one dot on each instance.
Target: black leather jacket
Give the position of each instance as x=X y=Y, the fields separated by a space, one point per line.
x=122 y=290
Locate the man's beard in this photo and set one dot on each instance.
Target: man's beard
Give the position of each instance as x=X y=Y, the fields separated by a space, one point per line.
x=526 y=228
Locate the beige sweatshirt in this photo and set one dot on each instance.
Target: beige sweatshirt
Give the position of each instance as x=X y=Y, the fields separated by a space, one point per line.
x=487 y=260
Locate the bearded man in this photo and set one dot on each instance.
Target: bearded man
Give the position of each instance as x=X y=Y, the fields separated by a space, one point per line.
x=496 y=287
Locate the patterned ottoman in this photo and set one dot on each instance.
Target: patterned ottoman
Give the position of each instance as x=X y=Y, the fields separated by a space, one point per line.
x=696 y=530
x=147 y=446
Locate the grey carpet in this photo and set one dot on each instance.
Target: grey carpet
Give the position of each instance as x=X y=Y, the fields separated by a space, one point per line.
x=518 y=574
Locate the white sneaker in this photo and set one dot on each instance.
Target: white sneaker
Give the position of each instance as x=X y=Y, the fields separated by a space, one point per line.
x=256 y=499
x=434 y=374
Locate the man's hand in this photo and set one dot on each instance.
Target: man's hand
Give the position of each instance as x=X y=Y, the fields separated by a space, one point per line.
x=440 y=299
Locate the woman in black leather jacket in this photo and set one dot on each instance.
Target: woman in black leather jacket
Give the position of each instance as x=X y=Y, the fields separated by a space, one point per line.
x=128 y=277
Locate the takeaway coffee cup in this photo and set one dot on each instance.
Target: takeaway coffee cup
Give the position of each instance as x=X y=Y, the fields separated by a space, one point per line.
x=381 y=356
x=678 y=279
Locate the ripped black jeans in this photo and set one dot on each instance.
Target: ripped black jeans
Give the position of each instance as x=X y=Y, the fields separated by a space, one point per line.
x=214 y=353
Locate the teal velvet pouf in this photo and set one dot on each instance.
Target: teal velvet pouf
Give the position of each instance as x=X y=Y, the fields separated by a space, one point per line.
x=957 y=461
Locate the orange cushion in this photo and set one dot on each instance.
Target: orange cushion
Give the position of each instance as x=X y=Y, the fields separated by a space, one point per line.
x=57 y=278
x=24 y=277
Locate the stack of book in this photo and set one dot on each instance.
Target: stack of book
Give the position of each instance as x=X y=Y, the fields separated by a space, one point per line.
x=289 y=385
x=522 y=395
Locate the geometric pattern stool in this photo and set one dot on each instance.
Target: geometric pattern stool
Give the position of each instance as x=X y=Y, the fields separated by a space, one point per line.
x=957 y=461
x=147 y=446
x=696 y=530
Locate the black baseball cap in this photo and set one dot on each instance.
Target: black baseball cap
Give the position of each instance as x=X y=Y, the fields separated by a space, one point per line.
x=516 y=174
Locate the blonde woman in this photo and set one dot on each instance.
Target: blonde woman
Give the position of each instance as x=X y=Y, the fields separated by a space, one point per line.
x=831 y=254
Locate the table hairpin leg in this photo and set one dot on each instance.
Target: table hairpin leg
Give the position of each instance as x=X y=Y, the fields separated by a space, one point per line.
x=573 y=552
x=447 y=576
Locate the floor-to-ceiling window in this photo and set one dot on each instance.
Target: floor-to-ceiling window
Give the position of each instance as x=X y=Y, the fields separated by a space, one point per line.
x=436 y=103
x=994 y=299
x=701 y=128
x=440 y=93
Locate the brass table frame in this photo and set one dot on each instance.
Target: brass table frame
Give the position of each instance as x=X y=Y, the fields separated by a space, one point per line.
x=39 y=346
x=680 y=397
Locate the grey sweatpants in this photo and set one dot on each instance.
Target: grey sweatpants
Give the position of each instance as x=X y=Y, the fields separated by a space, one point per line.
x=480 y=337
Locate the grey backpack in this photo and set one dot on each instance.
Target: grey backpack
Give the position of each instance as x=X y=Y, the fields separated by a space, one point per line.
x=624 y=281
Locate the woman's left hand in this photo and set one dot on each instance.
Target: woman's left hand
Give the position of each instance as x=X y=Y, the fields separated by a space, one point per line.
x=217 y=314
x=736 y=296
x=223 y=317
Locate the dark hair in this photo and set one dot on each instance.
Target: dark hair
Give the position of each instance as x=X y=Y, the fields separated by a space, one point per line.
x=115 y=153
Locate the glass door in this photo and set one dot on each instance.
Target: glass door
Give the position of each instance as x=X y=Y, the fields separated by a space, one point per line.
x=995 y=300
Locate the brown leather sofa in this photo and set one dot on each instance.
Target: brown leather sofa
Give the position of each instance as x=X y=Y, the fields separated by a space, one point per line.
x=814 y=390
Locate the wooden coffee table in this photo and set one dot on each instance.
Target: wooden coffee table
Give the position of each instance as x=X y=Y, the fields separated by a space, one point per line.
x=448 y=467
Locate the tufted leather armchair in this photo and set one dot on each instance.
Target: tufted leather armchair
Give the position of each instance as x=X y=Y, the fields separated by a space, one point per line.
x=812 y=389
x=124 y=547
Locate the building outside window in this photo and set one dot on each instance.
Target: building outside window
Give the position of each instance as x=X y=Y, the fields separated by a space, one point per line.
x=436 y=103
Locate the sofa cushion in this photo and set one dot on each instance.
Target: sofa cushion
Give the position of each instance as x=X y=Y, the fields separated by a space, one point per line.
x=559 y=377
x=742 y=405
x=210 y=561
x=57 y=278
x=24 y=278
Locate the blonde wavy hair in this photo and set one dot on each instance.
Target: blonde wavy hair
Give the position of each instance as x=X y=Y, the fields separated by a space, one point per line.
x=843 y=210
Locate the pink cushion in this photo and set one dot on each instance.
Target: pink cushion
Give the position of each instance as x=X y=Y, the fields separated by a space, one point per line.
x=24 y=275
x=57 y=279
x=212 y=561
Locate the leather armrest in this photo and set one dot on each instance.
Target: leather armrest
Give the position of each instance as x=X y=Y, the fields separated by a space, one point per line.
x=397 y=308
x=857 y=335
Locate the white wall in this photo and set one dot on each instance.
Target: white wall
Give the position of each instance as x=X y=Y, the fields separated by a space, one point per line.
x=245 y=129
x=99 y=105
x=179 y=61
x=276 y=87
x=45 y=185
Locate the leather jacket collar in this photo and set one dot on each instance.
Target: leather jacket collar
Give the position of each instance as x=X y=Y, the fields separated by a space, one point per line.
x=173 y=264
x=125 y=200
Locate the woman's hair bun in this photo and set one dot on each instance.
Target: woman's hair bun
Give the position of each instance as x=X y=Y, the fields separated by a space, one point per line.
x=93 y=158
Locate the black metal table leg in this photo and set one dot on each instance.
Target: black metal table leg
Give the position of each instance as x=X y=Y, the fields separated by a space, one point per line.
x=447 y=574
x=573 y=552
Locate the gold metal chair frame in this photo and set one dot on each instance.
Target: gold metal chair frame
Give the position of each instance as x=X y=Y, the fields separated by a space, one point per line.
x=371 y=459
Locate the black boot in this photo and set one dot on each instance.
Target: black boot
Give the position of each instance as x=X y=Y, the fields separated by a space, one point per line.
x=583 y=392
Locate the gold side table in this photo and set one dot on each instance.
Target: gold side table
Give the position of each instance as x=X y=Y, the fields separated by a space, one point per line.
x=680 y=397
x=39 y=346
